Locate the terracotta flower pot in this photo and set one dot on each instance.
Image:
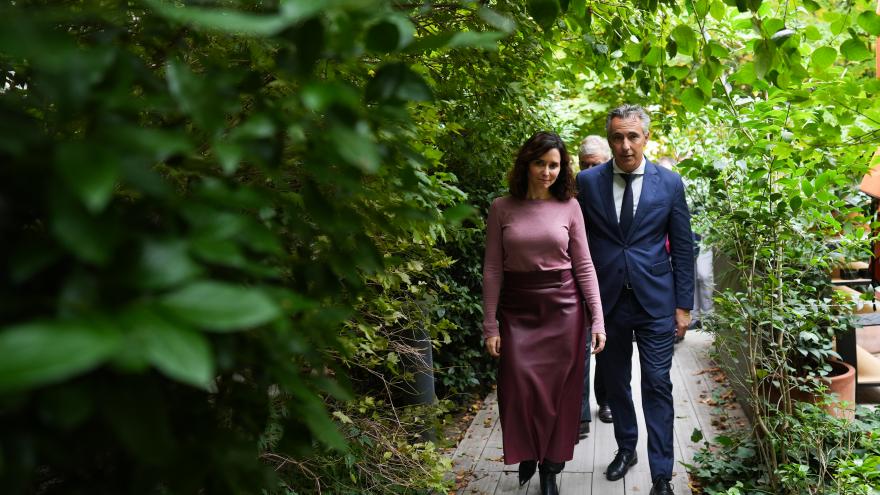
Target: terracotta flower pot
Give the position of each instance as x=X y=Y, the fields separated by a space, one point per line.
x=842 y=383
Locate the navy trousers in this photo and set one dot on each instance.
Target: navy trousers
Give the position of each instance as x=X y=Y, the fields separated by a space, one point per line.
x=655 y=338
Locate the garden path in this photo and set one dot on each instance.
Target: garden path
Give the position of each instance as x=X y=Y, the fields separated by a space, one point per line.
x=478 y=457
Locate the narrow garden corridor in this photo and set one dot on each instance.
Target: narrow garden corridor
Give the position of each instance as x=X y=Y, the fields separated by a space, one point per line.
x=478 y=459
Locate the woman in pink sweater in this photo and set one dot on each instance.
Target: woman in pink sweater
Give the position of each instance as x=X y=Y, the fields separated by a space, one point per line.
x=536 y=275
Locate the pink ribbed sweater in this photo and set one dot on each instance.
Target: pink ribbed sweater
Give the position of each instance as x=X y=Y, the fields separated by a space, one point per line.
x=525 y=235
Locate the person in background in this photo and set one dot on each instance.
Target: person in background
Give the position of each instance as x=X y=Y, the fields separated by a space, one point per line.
x=704 y=278
x=537 y=273
x=593 y=151
x=631 y=207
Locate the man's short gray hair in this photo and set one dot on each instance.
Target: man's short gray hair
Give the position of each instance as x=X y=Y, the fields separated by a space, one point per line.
x=595 y=145
x=627 y=112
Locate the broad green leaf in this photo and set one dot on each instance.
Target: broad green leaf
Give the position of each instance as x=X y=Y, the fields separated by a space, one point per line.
x=718 y=10
x=544 y=12
x=177 y=351
x=763 y=58
x=356 y=148
x=159 y=143
x=475 y=39
x=697 y=435
x=165 y=263
x=632 y=52
x=705 y=80
x=823 y=58
x=811 y=5
x=653 y=56
x=812 y=33
x=718 y=50
x=90 y=238
x=724 y=440
x=578 y=7
x=220 y=307
x=685 y=38
x=692 y=99
x=807 y=188
x=314 y=413
x=458 y=213
x=45 y=352
x=91 y=170
x=701 y=7
x=506 y=24
x=855 y=50
x=237 y=22
x=870 y=22
x=390 y=34
x=318 y=96
x=397 y=83
x=678 y=71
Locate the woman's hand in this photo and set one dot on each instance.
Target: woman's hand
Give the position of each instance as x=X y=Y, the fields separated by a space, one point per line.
x=493 y=345
x=598 y=342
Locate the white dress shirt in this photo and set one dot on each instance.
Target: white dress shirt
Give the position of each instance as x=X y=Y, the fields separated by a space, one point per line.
x=619 y=185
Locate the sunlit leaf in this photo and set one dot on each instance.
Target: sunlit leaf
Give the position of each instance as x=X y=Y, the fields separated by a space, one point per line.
x=870 y=22
x=692 y=99
x=823 y=58
x=855 y=50
x=685 y=38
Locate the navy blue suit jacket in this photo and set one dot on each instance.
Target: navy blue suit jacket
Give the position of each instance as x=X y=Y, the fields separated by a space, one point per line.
x=661 y=281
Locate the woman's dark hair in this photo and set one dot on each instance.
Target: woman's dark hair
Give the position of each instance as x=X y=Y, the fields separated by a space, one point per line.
x=534 y=148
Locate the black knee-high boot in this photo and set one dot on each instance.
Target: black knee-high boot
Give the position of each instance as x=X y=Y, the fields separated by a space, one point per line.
x=548 y=471
x=526 y=471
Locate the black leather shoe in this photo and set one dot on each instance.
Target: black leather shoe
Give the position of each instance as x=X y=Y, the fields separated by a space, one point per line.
x=526 y=471
x=585 y=430
x=661 y=487
x=623 y=460
x=547 y=474
x=605 y=414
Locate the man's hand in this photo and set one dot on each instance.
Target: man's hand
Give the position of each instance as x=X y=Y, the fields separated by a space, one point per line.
x=493 y=345
x=598 y=342
x=682 y=321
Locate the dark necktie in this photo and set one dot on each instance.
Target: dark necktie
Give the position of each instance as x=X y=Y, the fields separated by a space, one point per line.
x=626 y=207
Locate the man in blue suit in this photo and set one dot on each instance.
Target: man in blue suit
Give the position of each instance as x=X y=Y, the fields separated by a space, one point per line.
x=631 y=207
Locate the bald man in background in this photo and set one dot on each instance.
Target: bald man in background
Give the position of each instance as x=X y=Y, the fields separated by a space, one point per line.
x=594 y=151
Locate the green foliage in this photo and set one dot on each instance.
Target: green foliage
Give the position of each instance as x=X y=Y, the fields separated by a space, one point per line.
x=790 y=142
x=226 y=223
x=195 y=203
x=828 y=455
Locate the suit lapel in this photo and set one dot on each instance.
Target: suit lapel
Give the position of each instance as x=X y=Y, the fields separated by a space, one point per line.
x=606 y=189
x=646 y=198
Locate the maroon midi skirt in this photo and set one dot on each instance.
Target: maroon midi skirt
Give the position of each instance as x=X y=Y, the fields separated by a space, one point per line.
x=541 y=371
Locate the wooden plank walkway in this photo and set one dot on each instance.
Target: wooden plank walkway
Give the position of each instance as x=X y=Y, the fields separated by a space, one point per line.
x=479 y=455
